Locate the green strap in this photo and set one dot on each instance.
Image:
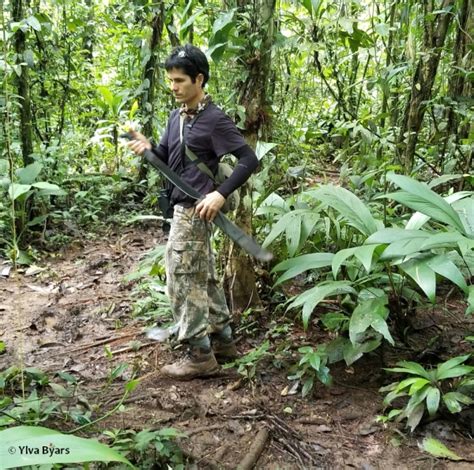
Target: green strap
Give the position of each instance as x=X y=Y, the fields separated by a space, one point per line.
x=201 y=165
x=192 y=156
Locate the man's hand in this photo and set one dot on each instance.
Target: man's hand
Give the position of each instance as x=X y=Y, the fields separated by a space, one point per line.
x=139 y=143
x=208 y=207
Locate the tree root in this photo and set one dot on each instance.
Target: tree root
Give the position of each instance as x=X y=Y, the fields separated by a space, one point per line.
x=255 y=450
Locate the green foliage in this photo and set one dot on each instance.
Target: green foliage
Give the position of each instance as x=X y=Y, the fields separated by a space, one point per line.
x=312 y=365
x=388 y=264
x=29 y=398
x=247 y=364
x=438 y=449
x=148 y=447
x=62 y=448
x=450 y=384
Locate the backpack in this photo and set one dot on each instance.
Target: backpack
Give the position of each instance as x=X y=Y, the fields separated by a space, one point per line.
x=224 y=170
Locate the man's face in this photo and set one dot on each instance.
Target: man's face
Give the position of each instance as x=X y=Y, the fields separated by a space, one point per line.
x=184 y=90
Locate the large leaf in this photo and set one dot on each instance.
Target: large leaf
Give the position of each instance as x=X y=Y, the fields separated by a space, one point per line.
x=353 y=352
x=470 y=300
x=423 y=275
x=262 y=148
x=409 y=367
x=295 y=266
x=443 y=370
x=16 y=190
x=418 y=196
x=312 y=297
x=370 y=313
x=391 y=235
x=417 y=220
x=348 y=205
x=363 y=253
x=402 y=248
x=49 y=447
x=465 y=209
x=432 y=400
x=29 y=174
x=438 y=449
x=49 y=189
x=443 y=266
x=291 y=223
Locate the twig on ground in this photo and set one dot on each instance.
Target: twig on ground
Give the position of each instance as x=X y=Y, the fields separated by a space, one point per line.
x=102 y=341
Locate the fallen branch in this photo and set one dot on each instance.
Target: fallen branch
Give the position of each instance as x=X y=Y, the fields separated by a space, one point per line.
x=133 y=348
x=102 y=341
x=204 y=428
x=255 y=450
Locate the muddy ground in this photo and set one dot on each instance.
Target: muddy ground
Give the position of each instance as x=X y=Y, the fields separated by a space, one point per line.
x=61 y=318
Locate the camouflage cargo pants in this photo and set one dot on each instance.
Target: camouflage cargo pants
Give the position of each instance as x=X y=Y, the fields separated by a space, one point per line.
x=197 y=299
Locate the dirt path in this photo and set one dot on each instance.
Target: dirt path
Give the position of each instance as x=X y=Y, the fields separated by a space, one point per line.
x=61 y=318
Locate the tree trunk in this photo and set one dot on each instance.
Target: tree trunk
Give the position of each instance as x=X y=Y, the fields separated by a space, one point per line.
x=23 y=84
x=241 y=279
x=423 y=79
x=148 y=97
x=459 y=89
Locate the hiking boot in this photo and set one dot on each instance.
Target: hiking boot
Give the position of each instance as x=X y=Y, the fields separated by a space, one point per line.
x=224 y=351
x=196 y=362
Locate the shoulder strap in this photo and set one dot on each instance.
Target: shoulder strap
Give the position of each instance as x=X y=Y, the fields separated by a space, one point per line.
x=191 y=155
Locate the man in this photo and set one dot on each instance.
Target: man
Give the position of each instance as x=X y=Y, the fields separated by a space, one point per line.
x=197 y=298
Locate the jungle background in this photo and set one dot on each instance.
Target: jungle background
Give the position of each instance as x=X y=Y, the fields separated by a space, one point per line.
x=356 y=339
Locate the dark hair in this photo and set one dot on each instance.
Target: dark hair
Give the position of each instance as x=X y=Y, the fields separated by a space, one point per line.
x=191 y=60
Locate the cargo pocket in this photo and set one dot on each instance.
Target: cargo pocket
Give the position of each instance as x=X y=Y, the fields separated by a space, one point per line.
x=189 y=257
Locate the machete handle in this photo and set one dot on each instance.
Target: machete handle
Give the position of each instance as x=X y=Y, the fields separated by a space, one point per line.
x=126 y=135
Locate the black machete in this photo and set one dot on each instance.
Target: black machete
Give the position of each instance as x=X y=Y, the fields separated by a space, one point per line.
x=227 y=226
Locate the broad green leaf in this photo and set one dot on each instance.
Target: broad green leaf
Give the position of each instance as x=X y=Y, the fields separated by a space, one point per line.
x=458 y=371
x=61 y=391
x=450 y=364
x=224 y=20
x=370 y=313
x=363 y=253
x=419 y=197
x=353 y=352
x=107 y=95
x=444 y=240
x=423 y=275
x=300 y=264
x=402 y=248
x=191 y=20
x=16 y=190
x=49 y=189
x=262 y=148
x=465 y=210
x=417 y=220
x=29 y=173
x=80 y=450
x=391 y=235
x=438 y=449
x=133 y=110
x=348 y=205
x=291 y=224
x=415 y=384
x=461 y=398
x=339 y=259
x=470 y=300
x=452 y=403
x=311 y=298
x=34 y=23
x=409 y=367
x=432 y=400
x=443 y=266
